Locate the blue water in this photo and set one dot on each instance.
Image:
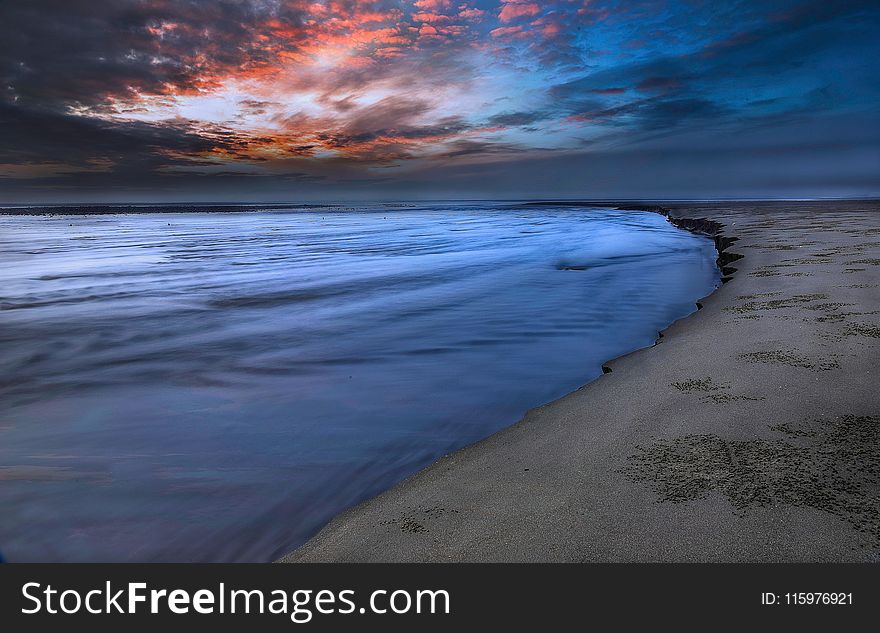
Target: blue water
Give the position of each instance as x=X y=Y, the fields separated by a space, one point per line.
x=198 y=386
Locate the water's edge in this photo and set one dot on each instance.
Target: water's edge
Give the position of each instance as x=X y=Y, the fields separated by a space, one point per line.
x=706 y=227
x=700 y=226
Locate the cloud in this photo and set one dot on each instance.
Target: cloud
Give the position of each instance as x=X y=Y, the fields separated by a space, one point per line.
x=128 y=92
x=515 y=119
x=471 y=13
x=71 y=52
x=433 y=5
x=510 y=32
x=514 y=9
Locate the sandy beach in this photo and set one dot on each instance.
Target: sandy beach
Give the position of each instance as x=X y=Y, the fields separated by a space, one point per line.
x=749 y=432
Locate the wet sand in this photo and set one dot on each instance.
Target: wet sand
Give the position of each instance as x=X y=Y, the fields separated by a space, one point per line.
x=749 y=432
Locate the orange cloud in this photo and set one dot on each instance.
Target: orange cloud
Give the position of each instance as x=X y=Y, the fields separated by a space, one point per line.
x=471 y=14
x=430 y=17
x=514 y=9
x=432 y=5
x=513 y=32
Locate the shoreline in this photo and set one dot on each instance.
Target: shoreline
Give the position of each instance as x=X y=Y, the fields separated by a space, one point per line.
x=748 y=433
x=700 y=226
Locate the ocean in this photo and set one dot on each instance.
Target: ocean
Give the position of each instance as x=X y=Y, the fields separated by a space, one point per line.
x=193 y=386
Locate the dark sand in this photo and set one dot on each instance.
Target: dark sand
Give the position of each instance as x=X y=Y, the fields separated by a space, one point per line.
x=750 y=432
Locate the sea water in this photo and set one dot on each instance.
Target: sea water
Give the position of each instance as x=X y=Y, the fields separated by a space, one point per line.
x=198 y=386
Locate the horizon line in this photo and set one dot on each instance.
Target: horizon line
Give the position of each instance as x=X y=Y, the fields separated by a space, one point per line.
x=21 y=205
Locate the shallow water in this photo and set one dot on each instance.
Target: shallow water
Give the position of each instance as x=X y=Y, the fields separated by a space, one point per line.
x=195 y=386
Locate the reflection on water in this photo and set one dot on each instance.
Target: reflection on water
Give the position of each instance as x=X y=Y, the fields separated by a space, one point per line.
x=217 y=386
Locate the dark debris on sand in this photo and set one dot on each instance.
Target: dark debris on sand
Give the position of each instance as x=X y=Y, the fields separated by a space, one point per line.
x=829 y=465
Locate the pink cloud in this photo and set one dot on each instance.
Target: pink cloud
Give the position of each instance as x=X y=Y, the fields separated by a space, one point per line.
x=514 y=9
x=430 y=18
x=432 y=5
x=471 y=14
x=511 y=32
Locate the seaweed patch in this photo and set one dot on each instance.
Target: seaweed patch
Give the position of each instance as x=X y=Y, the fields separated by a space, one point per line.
x=828 y=465
x=792 y=359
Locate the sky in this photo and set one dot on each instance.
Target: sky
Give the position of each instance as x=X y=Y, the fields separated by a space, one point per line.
x=288 y=100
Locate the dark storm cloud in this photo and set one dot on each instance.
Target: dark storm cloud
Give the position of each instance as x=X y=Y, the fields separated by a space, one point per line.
x=34 y=135
x=57 y=56
x=516 y=119
x=477 y=148
x=58 y=52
